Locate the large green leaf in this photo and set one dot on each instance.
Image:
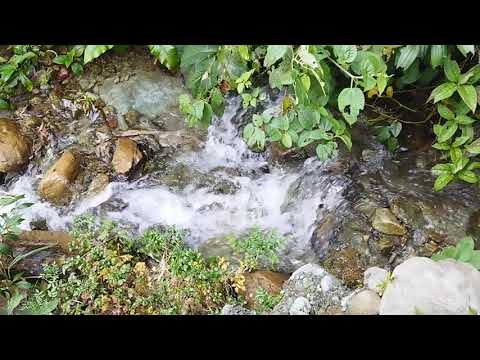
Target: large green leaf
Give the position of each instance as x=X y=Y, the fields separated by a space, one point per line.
x=448 y=130
x=465 y=249
x=438 y=54
x=94 y=51
x=469 y=96
x=326 y=151
x=466 y=49
x=197 y=66
x=442 y=181
x=452 y=70
x=354 y=99
x=442 y=92
x=408 y=54
x=274 y=53
x=166 y=54
x=345 y=54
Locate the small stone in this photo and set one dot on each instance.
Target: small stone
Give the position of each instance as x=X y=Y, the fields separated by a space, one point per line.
x=373 y=277
x=126 y=156
x=57 y=180
x=301 y=306
x=385 y=222
x=365 y=302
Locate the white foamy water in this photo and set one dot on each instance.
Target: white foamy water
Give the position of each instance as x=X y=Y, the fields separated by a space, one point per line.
x=257 y=201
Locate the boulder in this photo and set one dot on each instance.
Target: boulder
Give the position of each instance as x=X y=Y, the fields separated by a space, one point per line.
x=126 y=156
x=15 y=148
x=423 y=286
x=323 y=292
x=301 y=306
x=55 y=184
x=385 y=222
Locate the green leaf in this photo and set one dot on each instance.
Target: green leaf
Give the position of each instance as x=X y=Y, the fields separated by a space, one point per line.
x=345 y=54
x=441 y=169
x=456 y=155
x=166 y=54
x=445 y=112
x=274 y=134
x=452 y=70
x=448 y=130
x=381 y=83
x=94 y=51
x=465 y=249
x=354 y=99
x=216 y=101
x=438 y=54
x=468 y=176
x=383 y=134
x=408 y=54
x=244 y=52
x=274 y=53
x=4 y=105
x=469 y=96
x=305 y=79
x=474 y=147
x=448 y=252
x=466 y=49
x=281 y=76
x=464 y=120
x=459 y=141
x=442 y=92
x=287 y=140
x=77 y=68
x=347 y=140
x=440 y=146
x=395 y=128
x=326 y=151
x=442 y=181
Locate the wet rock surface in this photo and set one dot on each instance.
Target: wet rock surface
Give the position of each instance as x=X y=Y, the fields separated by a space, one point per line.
x=15 y=148
x=127 y=155
x=55 y=185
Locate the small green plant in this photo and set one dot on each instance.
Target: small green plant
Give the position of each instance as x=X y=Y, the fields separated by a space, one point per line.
x=250 y=99
x=264 y=301
x=17 y=70
x=383 y=285
x=463 y=251
x=72 y=58
x=113 y=273
x=11 y=220
x=258 y=248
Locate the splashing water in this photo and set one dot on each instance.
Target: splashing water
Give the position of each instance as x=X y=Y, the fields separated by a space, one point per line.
x=258 y=199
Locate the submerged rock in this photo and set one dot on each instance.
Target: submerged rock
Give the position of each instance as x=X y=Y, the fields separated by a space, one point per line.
x=423 y=286
x=57 y=180
x=15 y=148
x=385 y=222
x=126 y=156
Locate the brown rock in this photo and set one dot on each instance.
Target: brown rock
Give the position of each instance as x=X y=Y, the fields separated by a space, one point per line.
x=55 y=184
x=267 y=280
x=347 y=265
x=126 y=155
x=98 y=184
x=14 y=147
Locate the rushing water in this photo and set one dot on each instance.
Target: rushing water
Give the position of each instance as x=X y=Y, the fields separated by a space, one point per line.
x=259 y=197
